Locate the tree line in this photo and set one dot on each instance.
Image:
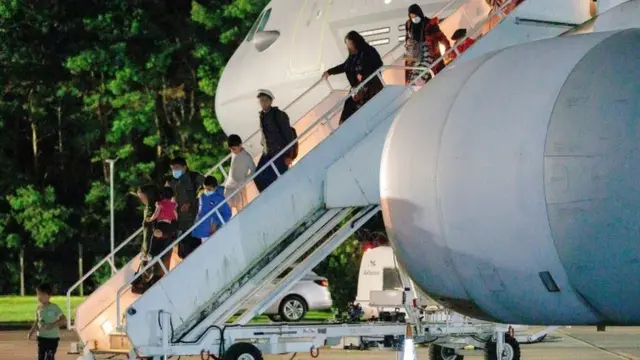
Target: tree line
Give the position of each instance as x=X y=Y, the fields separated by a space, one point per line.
x=84 y=81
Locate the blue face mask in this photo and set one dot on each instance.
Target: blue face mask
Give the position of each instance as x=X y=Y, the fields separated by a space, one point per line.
x=177 y=174
x=209 y=193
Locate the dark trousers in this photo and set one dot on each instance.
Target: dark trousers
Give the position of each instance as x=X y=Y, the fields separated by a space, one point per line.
x=147 y=233
x=350 y=107
x=366 y=94
x=268 y=176
x=47 y=348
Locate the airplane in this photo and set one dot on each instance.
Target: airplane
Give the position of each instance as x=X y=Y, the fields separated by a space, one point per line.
x=524 y=204
x=293 y=42
x=524 y=261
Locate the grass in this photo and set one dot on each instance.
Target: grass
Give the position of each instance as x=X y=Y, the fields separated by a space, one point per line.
x=21 y=309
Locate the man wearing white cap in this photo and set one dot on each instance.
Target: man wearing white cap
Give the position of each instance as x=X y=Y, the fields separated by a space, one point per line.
x=276 y=135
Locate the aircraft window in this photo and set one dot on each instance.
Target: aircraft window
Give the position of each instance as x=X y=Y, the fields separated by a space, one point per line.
x=373 y=32
x=379 y=42
x=260 y=24
x=391 y=279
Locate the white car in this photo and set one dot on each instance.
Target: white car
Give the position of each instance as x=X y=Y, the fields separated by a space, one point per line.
x=310 y=293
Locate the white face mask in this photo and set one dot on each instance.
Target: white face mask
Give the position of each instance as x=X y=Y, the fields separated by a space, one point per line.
x=416 y=20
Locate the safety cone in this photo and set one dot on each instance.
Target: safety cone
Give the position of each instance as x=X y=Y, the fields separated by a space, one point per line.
x=408 y=348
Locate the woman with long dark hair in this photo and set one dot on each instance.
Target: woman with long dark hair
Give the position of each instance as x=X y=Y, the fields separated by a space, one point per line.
x=422 y=42
x=156 y=237
x=363 y=60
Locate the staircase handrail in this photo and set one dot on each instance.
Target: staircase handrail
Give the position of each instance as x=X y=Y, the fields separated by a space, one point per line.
x=218 y=166
x=321 y=119
x=94 y=269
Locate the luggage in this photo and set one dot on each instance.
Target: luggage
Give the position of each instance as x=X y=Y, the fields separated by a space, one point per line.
x=412 y=50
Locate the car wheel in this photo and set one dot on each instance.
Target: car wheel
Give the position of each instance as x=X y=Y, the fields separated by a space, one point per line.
x=293 y=308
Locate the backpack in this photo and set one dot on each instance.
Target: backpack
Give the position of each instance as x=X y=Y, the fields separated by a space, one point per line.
x=193 y=175
x=293 y=150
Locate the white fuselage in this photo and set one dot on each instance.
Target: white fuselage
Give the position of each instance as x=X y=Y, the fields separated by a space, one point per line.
x=487 y=219
x=310 y=41
x=523 y=206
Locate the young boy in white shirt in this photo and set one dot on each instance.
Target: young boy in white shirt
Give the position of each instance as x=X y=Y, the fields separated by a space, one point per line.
x=242 y=167
x=49 y=319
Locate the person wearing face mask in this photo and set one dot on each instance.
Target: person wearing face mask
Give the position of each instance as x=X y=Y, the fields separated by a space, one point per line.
x=185 y=185
x=210 y=199
x=422 y=43
x=362 y=62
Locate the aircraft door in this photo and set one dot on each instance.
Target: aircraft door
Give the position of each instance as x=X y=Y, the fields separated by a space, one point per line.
x=306 y=46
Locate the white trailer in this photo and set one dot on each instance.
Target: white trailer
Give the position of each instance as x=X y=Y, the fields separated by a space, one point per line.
x=448 y=340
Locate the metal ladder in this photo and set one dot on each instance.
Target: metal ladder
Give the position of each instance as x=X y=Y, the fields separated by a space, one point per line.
x=263 y=271
x=310 y=250
x=324 y=249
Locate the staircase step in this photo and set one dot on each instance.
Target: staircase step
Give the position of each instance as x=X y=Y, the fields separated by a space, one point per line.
x=110 y=351
x=119 y=341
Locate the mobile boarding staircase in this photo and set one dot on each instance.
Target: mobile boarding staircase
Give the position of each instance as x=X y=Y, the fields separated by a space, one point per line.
x=185 y=312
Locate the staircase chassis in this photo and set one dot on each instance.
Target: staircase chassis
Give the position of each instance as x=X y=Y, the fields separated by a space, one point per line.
x=310 y=337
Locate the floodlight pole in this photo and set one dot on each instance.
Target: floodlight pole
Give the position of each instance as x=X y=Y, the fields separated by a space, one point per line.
x=112 y=163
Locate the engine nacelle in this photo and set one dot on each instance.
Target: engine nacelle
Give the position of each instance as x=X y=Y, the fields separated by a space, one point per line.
x=510 y=185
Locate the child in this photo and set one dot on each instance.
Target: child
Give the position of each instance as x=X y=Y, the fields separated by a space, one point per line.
x=462 y=46
x=209 y=200
x=49 y=318
x=166 y=209
x=242 y=167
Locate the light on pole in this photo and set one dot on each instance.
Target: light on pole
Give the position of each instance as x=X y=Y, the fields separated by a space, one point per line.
x=112 y=163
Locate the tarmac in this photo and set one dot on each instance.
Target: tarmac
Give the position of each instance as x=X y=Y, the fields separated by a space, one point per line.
x=578 y=343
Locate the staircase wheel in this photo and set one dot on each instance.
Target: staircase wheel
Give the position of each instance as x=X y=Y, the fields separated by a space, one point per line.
x=437 y=352
x=242 y=351
x=511 y=350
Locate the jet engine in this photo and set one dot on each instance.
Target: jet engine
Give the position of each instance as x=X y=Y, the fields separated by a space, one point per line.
x=510 y=185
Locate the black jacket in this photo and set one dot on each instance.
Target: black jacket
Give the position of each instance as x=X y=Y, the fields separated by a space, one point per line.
x=364 y=62
x=276 y=130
